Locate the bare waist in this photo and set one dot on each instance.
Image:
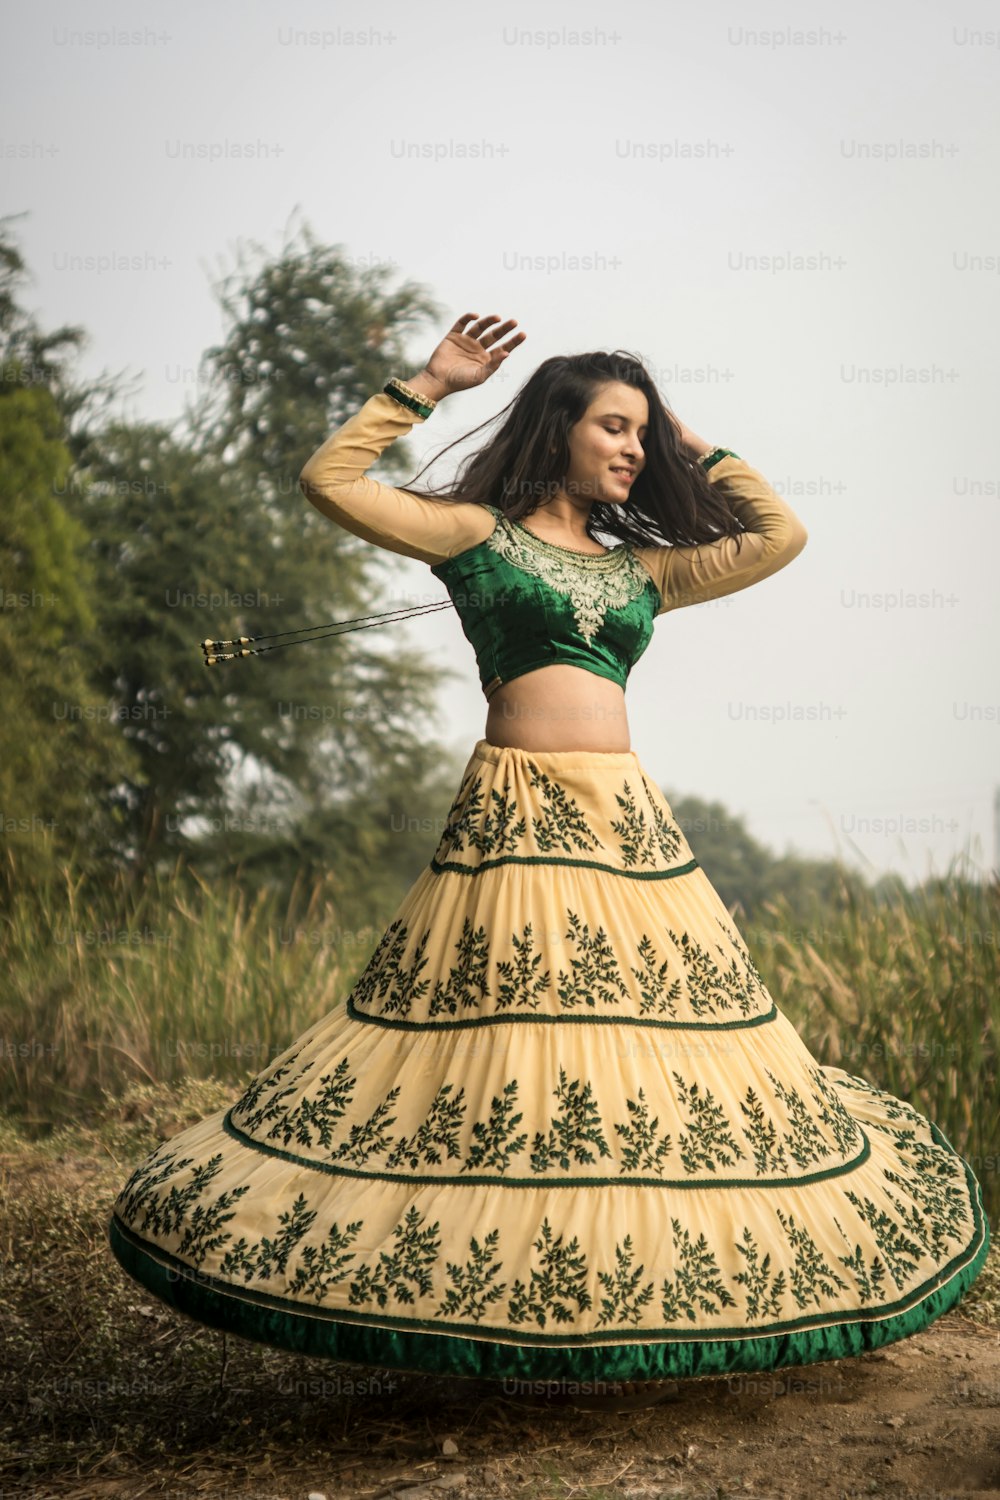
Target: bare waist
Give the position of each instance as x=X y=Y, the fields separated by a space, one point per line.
x=559 y=707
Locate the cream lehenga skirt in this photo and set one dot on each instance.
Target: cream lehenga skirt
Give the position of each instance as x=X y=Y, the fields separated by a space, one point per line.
x=558 y=1130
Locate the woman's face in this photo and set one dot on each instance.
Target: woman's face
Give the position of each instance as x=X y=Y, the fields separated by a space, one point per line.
x=606 y=440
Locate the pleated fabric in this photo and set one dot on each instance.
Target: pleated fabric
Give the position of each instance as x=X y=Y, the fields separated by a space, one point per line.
x=558 y=1130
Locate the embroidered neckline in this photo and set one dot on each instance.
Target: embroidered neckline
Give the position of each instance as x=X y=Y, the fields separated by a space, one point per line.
x=593 y=582
x=576 y=551
x=555 y=549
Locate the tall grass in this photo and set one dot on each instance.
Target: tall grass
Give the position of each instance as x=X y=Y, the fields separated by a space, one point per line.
x=187 y=980
x=905 y=994
x=182 y=979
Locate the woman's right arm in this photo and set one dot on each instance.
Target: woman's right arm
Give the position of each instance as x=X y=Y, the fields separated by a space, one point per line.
x=334 y=481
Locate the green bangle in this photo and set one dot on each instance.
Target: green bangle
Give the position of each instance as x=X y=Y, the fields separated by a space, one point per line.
x=422 y=405
x=715 y=455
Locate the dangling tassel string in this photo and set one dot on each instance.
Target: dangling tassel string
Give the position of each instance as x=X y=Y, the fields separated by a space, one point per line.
x=214 y=651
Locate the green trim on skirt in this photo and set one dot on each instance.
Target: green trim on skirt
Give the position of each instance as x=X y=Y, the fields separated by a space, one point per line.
x=537 y=1357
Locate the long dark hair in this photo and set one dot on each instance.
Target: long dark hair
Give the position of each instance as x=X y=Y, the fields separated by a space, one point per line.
x=671 y=502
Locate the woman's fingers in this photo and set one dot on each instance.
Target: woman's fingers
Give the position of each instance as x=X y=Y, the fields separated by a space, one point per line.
x=481 y=341
x=480 y=327
x=475 y=327
x=501 y=351
x=496 y=334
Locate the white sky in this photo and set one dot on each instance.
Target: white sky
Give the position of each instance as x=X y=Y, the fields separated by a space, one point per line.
x=871 y=146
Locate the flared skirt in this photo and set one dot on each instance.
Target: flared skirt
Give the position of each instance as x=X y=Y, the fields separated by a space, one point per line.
x=558 y=1130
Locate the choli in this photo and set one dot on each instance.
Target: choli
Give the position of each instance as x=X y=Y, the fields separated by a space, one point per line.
x=525 y=602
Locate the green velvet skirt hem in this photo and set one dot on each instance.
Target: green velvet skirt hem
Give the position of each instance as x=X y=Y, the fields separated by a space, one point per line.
x=266 y=1319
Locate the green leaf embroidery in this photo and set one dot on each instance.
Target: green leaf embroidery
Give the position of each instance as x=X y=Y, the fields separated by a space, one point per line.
x=408 y=1266
x=312 y=1121
x=573 y=1130
x=624 y=1301
x=326 y=1265
x=372 y=1137
x=764 y=1287
x=654 y=996
x=563 y=824
x=810 y=1275
x=595 y=974
x=560 y=1280
x=466 y=985
x=805 y=1141
x=762 y=1133
x=471 y=1291
x=494 y=1141
x=436 y=1134
x=520 y=981
x=698 y=1285
x=709 y=1139
x=643 y=1153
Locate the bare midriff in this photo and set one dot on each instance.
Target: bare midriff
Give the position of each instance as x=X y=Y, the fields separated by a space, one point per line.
x=558 y=707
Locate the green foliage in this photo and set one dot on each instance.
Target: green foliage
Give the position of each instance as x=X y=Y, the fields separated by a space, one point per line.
x=151 y=539
x=747 y=874
x=309 y=338
x=61 y=750
x=206 y=534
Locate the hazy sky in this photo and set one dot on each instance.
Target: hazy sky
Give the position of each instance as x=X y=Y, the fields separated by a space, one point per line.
x=789 y=211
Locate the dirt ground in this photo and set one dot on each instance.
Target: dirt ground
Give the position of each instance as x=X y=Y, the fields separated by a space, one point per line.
x=109 y=1394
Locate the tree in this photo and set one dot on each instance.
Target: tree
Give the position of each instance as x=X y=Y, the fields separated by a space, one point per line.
x=747 y=875
x=203 y=532
x=62 y=757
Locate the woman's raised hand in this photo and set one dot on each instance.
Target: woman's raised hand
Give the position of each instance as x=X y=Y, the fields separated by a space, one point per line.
x=469 y=353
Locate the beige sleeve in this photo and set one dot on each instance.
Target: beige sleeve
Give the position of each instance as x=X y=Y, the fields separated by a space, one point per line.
x=774 y=535
x=334 y=481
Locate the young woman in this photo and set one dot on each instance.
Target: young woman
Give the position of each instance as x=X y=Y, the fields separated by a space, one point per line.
x=559 y=1132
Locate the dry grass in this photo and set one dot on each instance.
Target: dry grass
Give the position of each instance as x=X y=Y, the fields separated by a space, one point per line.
x=906 y=995
x=183 y=979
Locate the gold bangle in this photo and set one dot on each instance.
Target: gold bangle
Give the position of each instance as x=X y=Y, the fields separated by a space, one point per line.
x=407 y=390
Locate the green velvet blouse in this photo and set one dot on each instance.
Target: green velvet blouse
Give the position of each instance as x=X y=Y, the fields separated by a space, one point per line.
x=525 y=602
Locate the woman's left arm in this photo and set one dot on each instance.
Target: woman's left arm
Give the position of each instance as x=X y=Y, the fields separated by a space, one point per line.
x=774 y=535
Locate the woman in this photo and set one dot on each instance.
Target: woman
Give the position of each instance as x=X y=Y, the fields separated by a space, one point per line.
x=559 y=1131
